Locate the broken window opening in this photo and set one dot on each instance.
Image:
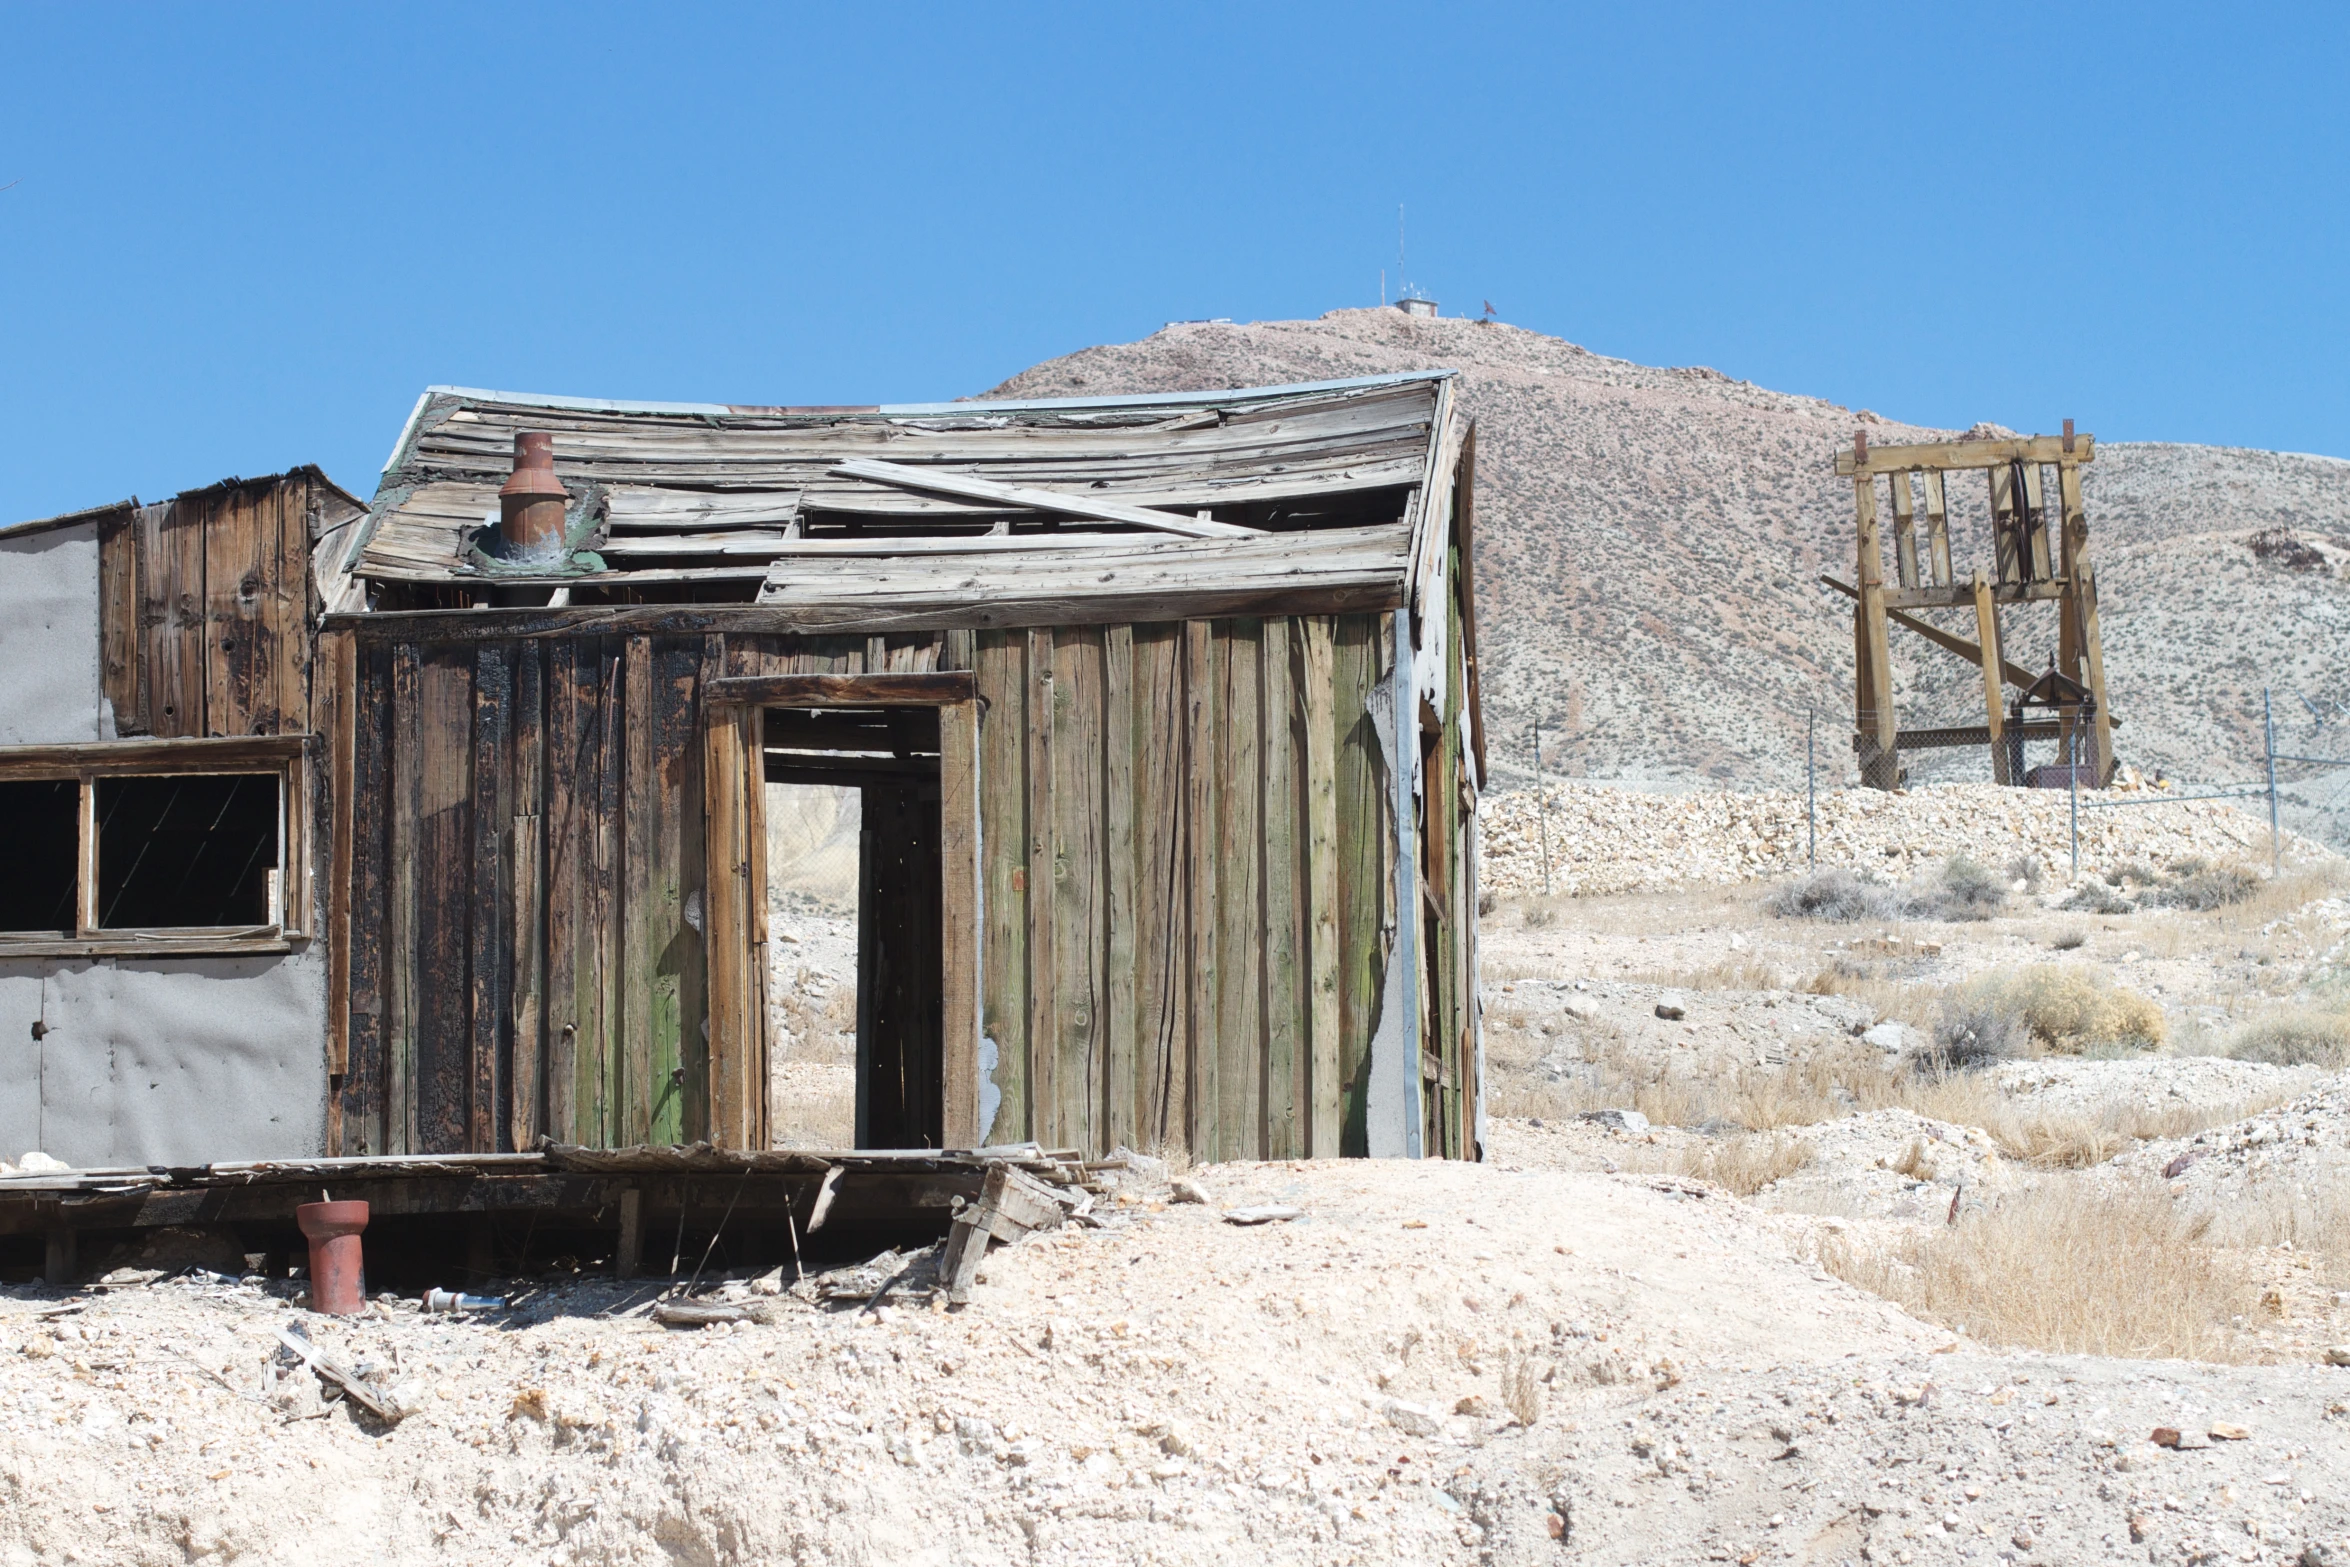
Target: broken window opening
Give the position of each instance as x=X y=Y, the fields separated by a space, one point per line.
x=187 y=850
x=39 y=870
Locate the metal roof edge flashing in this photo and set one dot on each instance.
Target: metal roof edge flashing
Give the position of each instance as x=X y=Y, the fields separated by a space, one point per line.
x=69 y=519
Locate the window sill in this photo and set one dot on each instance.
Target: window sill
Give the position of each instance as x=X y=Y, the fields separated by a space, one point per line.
x=149 y=944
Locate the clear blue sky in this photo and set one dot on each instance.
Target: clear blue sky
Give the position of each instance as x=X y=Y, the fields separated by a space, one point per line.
x=243 y=238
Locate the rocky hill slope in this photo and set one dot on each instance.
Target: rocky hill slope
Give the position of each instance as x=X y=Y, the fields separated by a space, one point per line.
x=1651 y=542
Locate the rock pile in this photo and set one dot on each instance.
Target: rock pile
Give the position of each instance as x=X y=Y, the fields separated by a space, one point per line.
x=1609 y=838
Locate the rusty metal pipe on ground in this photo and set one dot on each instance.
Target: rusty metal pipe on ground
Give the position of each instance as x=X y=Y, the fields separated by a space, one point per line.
x=338 y=1273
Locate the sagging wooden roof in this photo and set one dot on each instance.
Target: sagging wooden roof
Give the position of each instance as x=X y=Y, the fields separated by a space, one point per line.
x=864 y=515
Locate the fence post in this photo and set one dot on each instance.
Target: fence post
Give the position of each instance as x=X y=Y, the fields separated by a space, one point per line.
x=2268 y=724
x=1541 y=807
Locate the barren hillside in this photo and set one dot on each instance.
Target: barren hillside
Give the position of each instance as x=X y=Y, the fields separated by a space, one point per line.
x=1651 y=542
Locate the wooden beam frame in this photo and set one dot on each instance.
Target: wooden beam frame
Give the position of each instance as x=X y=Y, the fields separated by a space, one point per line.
x=2040 y=550
x=1028 y=497
x=735 y=772
x=1972 y=652
x=286 y=757
x=1948 y=456
x=1987 y=628
x=930 y=689
x=735 y=840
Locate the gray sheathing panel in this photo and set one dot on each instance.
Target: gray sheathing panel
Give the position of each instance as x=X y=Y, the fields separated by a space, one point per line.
x=49 y=638
x=20 y=1064
x=178 y=1061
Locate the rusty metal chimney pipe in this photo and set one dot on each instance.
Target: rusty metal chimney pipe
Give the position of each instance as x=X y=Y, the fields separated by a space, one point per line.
x=530 y=507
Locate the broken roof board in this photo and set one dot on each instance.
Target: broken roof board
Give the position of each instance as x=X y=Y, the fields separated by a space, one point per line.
x=712 y=492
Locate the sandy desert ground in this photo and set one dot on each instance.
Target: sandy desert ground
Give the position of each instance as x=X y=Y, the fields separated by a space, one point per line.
x=1745 y=1278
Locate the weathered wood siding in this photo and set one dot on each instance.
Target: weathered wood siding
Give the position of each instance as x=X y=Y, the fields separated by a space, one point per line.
x=205 y=608
x=526 y=885
x=1184 y=861
x=1185 y=869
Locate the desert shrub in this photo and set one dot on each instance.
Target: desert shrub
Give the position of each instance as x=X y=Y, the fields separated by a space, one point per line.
x=2301 y=1036
x=1963 y=890
x=1833 y=894
x=1538 y=916
x=2133 y=873
x=2070 y=939
x=2061 y=1270
x=1978 y=1026
x=2027 y=869
x=2211 y=887
x=2064 y=1008
x=2095 y=897
x=2070 y=1008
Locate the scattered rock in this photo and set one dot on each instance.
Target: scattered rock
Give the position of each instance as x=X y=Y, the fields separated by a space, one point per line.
x=1272 y=1213
x=39 y=1163
x=1184 y=1189
x=1630 y=1121
x=2338 y=1355
x=1892 y=1038
x=1412 y=1419
x=1671 y=1009
x=2227 y=1431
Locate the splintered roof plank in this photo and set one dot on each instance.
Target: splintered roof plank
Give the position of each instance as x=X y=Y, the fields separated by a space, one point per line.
x=1034 y=498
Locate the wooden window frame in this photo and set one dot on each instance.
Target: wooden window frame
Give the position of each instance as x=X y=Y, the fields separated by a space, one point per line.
x=286 y=757
x=735 y=779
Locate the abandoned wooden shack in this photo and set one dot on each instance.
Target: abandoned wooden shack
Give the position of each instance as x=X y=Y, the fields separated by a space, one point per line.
x=1160 y=714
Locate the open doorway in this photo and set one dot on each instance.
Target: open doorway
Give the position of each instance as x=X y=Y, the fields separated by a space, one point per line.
x=854 y=916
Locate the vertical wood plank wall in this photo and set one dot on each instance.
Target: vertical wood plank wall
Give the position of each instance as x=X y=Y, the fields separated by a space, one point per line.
x=1185 y=936
x=528 y=912
x=205 y=609
x=1185 y=867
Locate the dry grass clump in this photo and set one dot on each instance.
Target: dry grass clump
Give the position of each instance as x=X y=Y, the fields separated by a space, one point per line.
x=1521 y=1386
x=2296 y=1036
x=1739 y=972
x=1833 y=893
x=2094 y=897
x=2065 y=1139
x=2202 y=887
x=2109 y=1273
x=1962 y=890
x=1746 y=1165
x=2281 y=897
x=1904 y=1000
x=2279 y=1211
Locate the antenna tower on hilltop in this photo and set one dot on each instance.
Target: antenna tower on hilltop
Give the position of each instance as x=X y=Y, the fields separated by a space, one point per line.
x=1407 y=298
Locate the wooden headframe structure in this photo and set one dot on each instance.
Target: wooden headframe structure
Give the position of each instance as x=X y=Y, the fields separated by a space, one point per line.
x=2039 y=552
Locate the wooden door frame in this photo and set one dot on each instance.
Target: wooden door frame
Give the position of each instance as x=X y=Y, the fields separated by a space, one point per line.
x=733 y=718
